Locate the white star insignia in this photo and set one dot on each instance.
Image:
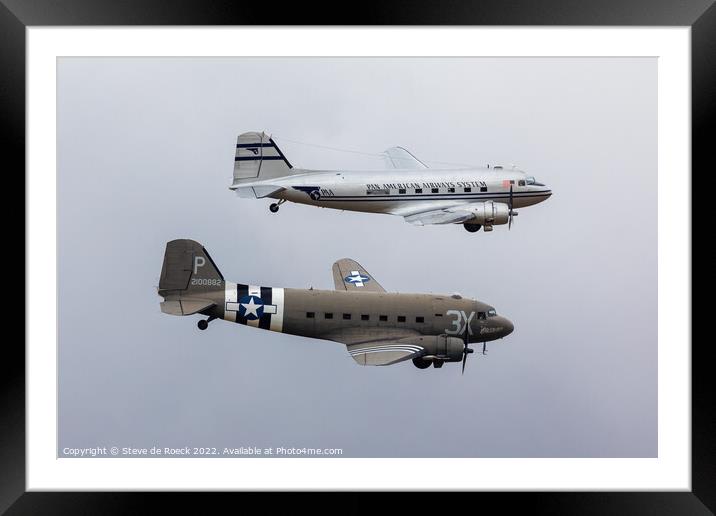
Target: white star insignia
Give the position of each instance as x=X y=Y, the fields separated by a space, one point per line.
x=251 y=308
x=357 y=278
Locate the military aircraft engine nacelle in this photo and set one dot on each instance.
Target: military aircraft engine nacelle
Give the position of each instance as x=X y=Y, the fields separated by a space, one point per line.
x=440 y=347
x=489 y=213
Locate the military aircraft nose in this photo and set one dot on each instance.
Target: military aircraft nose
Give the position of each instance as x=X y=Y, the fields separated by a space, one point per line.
x=507 y=326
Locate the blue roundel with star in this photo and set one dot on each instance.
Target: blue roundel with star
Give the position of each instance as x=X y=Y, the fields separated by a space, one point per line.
x=251 y=307
x=357 y=279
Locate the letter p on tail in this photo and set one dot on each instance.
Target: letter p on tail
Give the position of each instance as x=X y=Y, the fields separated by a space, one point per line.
x=189 y=279
x=185 y=260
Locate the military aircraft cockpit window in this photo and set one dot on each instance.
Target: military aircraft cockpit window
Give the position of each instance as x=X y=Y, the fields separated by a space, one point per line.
x=491 y=312
x=481 y=315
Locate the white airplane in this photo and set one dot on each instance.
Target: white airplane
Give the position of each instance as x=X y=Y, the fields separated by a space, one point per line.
x=480 y=197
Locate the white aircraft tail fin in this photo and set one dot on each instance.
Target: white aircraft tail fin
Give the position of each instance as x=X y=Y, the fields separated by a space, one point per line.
x=398 y=157
x=258 y=158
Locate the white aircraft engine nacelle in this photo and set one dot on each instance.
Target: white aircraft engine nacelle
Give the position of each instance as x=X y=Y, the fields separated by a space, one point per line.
x=489 y=213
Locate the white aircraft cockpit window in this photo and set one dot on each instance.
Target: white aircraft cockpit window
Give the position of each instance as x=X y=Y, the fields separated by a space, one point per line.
x=532 y=181
x=491 y=312
x=521 y=182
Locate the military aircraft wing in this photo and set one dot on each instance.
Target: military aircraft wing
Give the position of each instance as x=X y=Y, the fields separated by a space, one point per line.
x=350 y=275
x=398 y=157
x=379 y=346
x=450 y=215
x=384 y=352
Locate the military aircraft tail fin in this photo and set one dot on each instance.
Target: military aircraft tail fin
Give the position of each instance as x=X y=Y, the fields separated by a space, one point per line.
x=188 y=270
x=350 y=275
x=258 y=158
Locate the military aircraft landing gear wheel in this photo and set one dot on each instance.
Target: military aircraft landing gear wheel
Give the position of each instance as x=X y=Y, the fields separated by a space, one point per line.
x=472 y=228
x=420 y=363
x=203 y=324
x=273 y=208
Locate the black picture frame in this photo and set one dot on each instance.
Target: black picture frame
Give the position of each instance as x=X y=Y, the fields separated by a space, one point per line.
x=16 y=15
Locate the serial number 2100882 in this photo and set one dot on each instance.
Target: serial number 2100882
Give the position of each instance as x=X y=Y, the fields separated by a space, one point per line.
x=206 y=281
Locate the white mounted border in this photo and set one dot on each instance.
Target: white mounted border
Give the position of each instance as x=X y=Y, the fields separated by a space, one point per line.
x=670 y=471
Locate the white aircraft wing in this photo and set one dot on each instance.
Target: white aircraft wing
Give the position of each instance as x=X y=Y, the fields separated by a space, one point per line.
x=448 y=215
x=350 y=275
x=398 y=157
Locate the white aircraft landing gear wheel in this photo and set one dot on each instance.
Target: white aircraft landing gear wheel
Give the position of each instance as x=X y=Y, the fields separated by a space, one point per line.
x=273 y=208
x=472 y=228
x=203 y=324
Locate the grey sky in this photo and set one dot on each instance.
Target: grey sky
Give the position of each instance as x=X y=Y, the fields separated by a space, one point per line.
x=145 y=154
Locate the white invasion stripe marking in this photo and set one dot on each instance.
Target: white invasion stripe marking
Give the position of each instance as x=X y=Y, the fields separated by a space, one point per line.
x=359 y=351
x=395 y=345
x=254 y=290
x=385 y=348
x=230 y=299
x=396 y=350
x=277 y=318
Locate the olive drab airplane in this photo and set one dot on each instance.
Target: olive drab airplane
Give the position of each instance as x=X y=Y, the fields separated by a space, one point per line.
x=474 y=197
x=377 y=327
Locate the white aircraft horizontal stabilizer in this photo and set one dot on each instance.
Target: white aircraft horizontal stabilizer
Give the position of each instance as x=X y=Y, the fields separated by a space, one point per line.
x=256 y=192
